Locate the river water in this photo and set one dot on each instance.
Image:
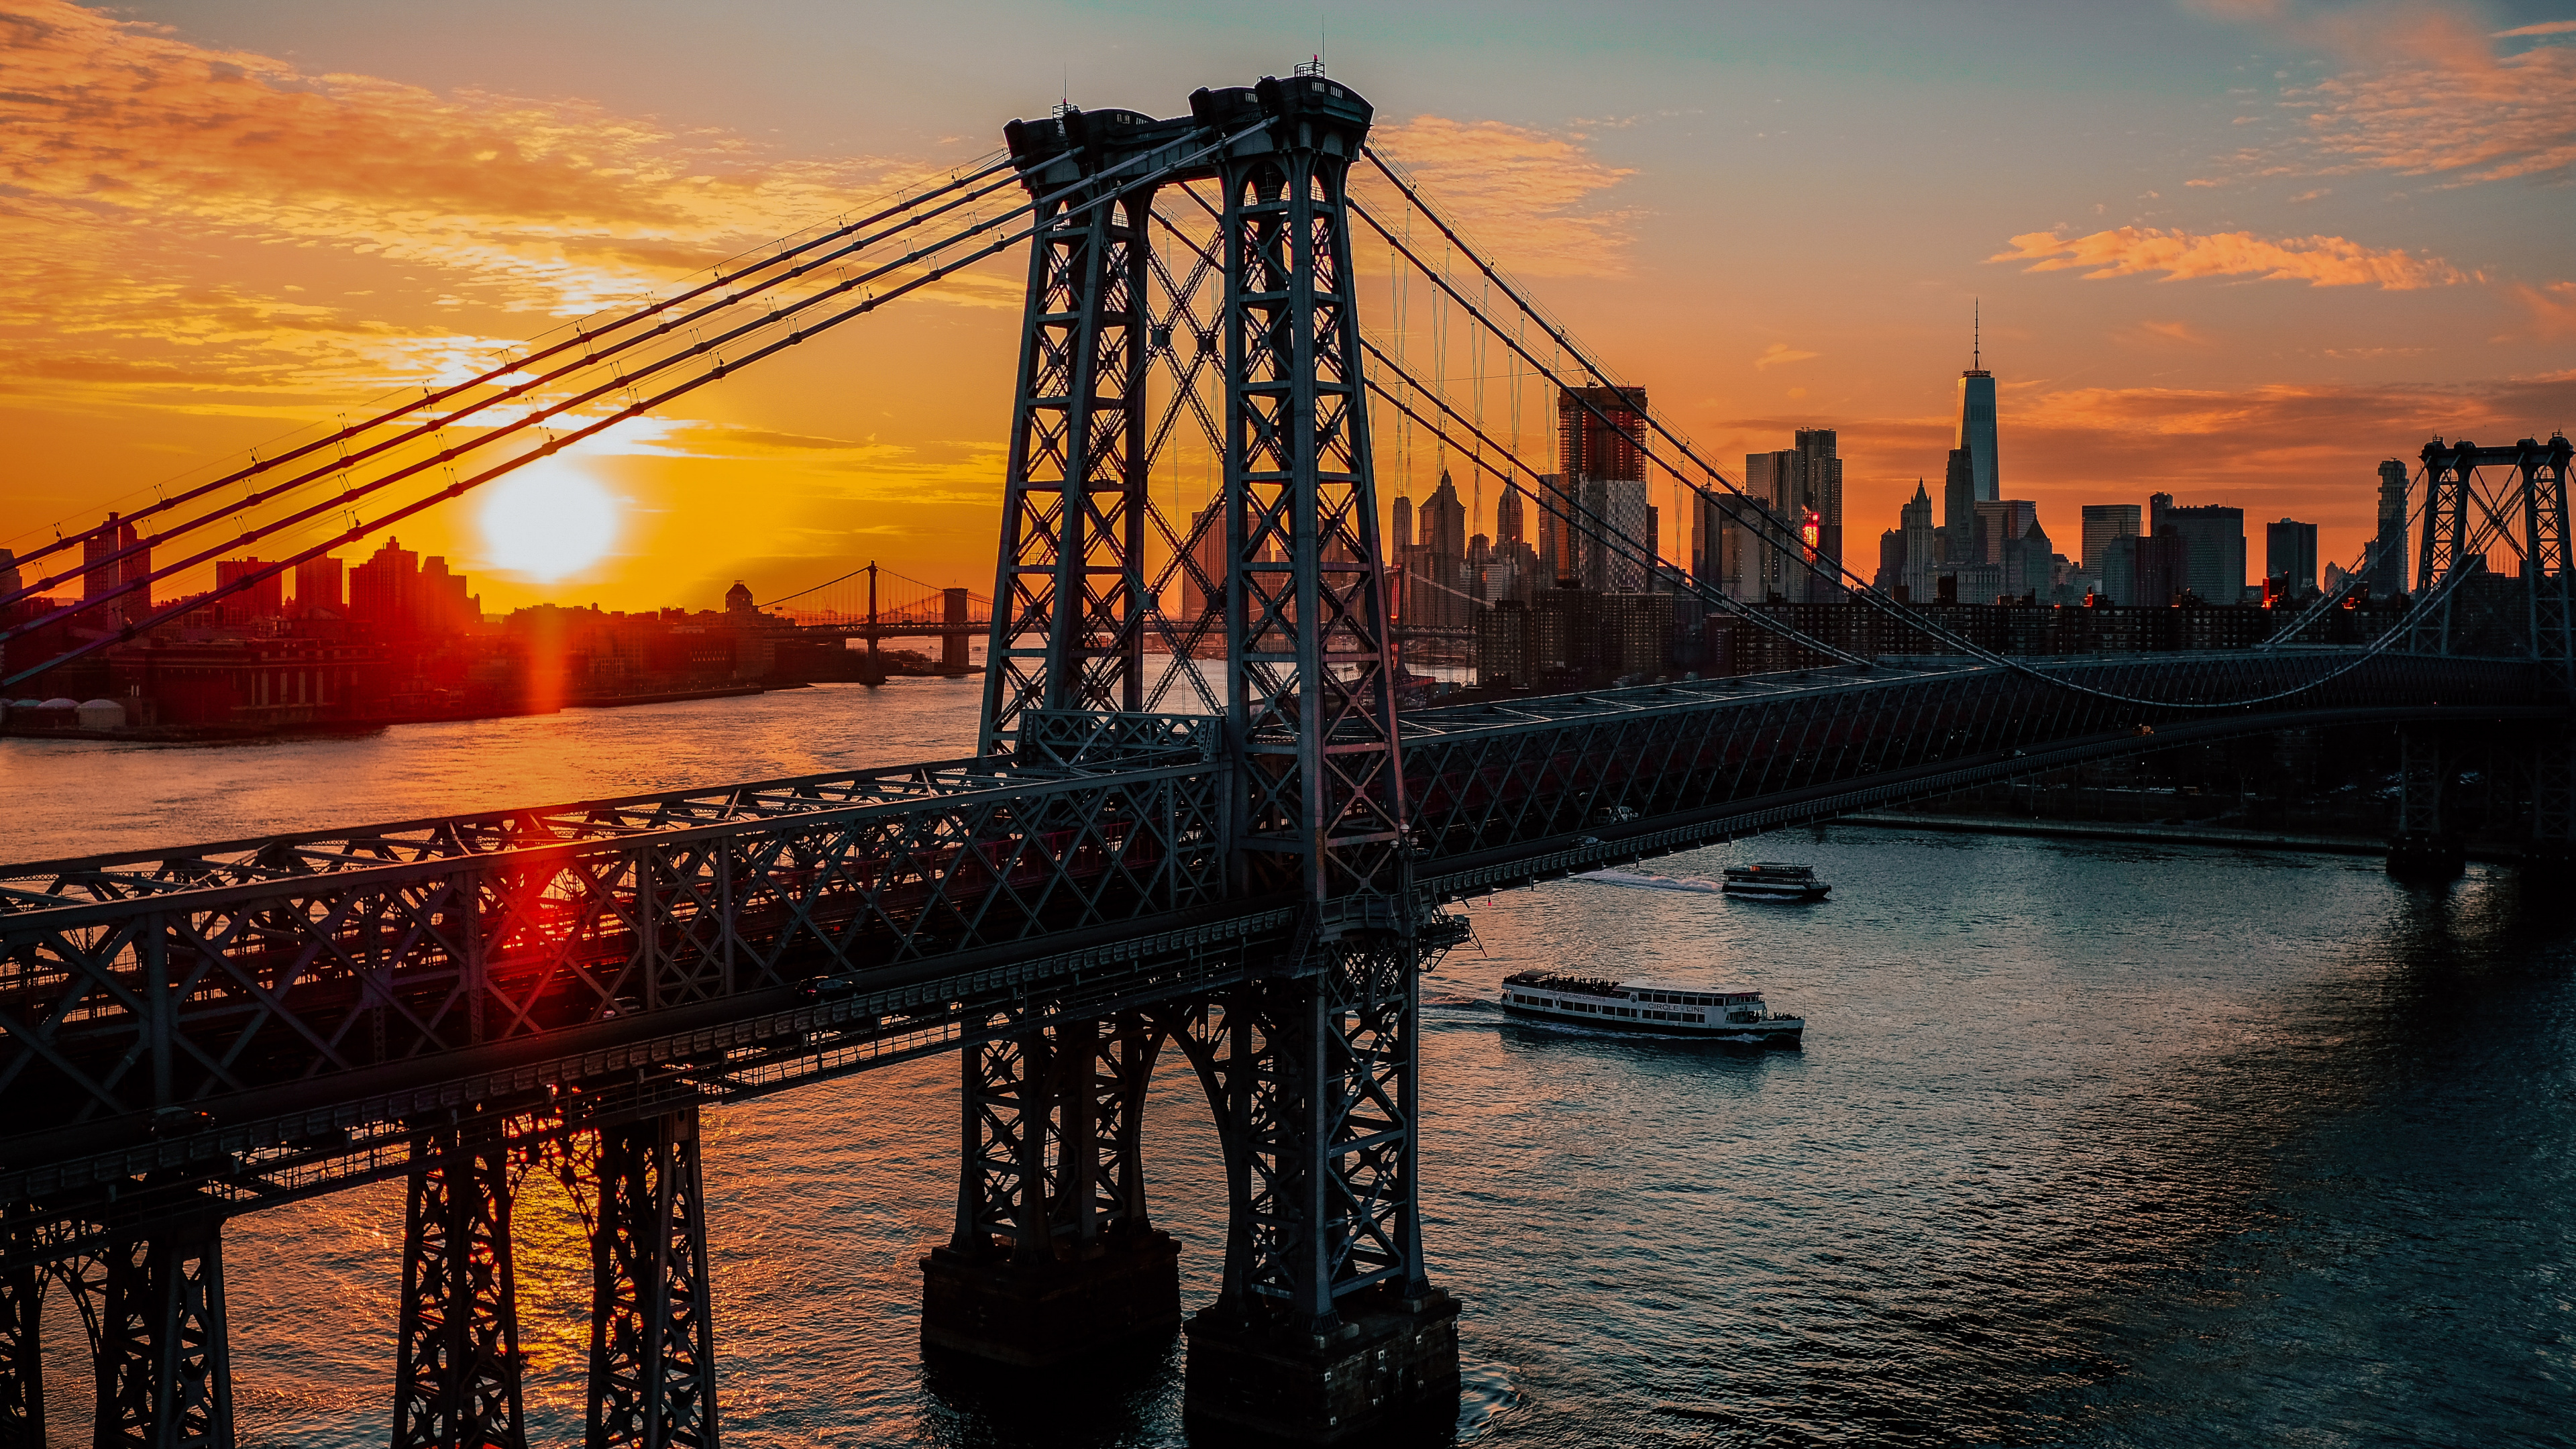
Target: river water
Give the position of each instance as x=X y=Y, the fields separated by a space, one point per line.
x=2089 y=1144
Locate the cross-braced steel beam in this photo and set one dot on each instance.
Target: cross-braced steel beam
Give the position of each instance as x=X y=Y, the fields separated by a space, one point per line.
x=1069 y=602
x=457 y=1365
x=1319 y=1076
x=1318 y=788
x=22 y=1359
x=156 y=1309
x=652 y=1326
x=1052 y=1151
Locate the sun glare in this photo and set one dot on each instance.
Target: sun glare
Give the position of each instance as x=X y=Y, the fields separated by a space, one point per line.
x=547 y=521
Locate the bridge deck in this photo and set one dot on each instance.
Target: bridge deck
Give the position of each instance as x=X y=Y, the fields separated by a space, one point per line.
x=256 y=1019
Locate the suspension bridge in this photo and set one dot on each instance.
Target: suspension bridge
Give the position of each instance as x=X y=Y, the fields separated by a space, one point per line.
x=1192 y=821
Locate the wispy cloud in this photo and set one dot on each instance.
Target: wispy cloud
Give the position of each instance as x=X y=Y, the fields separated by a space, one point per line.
x=2424 y=92
x=136 y=168
x=1532 y=197
x=1777 y=354
x=2322 y=261
x=2552 y=309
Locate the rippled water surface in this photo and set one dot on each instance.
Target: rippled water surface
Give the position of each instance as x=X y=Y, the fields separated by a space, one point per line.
x=2089 y=1144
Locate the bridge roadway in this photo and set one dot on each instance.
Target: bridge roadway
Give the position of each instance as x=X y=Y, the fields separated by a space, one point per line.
x=237 y=1024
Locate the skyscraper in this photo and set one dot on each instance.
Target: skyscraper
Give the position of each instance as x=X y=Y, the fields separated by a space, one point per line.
x=1400 y=530
x=2213 y=537
x=1820 y=501
x=1605 y=472
x=1916 y=521
x=1977 y=420
x=99 y=578
x=2388 y=568
x=2104 y=522
x=318 y=586
x=2290 y=552
x=1959 y=510
x=1508 y=520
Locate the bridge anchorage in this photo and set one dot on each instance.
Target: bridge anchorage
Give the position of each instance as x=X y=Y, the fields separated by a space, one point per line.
x=191 y=1034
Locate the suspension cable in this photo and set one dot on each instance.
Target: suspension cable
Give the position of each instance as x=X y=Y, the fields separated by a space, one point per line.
x=635 y=407
x=583 y=338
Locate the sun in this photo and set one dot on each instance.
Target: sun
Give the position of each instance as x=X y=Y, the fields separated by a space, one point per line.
x=547 y=521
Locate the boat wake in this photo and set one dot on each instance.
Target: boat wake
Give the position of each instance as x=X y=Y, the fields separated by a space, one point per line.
x=1633 y=880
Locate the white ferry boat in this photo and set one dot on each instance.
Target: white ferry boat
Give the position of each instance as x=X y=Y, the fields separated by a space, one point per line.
x=1773 y=881
x=1651 y=1006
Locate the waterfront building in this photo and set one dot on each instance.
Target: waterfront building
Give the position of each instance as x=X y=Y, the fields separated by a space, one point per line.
x=100 y=578
x=318 y=586
x=2290 y=554
x=262 y=599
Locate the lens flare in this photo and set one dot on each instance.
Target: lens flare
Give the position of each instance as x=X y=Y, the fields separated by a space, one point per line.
x=547 y=521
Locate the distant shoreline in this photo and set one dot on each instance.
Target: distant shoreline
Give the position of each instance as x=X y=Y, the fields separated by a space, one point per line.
x=2149 y=834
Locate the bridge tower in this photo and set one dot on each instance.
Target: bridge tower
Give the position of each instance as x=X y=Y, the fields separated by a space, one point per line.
x=1325 y=1323
x=2463 y=613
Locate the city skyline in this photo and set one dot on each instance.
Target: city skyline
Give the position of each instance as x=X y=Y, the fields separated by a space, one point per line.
x=2224 y=267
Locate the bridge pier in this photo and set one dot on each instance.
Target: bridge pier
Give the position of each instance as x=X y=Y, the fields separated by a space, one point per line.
x=22 y=1359
x=164 y=1363
x=652 y=1327
x=457 y=1366
x=1054 y=1256
x=2553 y=802
x=2424 y=848
x=1327 y=1328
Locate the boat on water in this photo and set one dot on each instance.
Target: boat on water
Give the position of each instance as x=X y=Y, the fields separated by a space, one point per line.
x=1661 y=1007
x=1772 y=880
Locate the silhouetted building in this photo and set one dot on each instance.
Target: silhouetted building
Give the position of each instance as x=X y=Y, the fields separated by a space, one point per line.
x=101 y=578
x=2290 y=553
x=318 y=585
x=1400 y=530
x=1207 y=551
x=263 y=598
x=1598 y=431
x=1959 y=510
x=2162 y=569
x=1918 y=535
x=1977 y=420
x=2104 y=523
x=2214 y=536
x=2388 y=568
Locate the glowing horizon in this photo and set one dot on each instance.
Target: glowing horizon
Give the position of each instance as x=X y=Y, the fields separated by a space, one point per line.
x=2243 y=263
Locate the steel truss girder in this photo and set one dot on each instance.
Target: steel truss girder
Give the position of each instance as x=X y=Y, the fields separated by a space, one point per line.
x=159 y=1001
x=457 y=1365
x=652 y=1326
x=1318 y=785
x=1069 y=601
x=1483 y=782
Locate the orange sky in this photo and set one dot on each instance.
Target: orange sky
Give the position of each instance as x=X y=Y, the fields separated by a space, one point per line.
x=2238 y=251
